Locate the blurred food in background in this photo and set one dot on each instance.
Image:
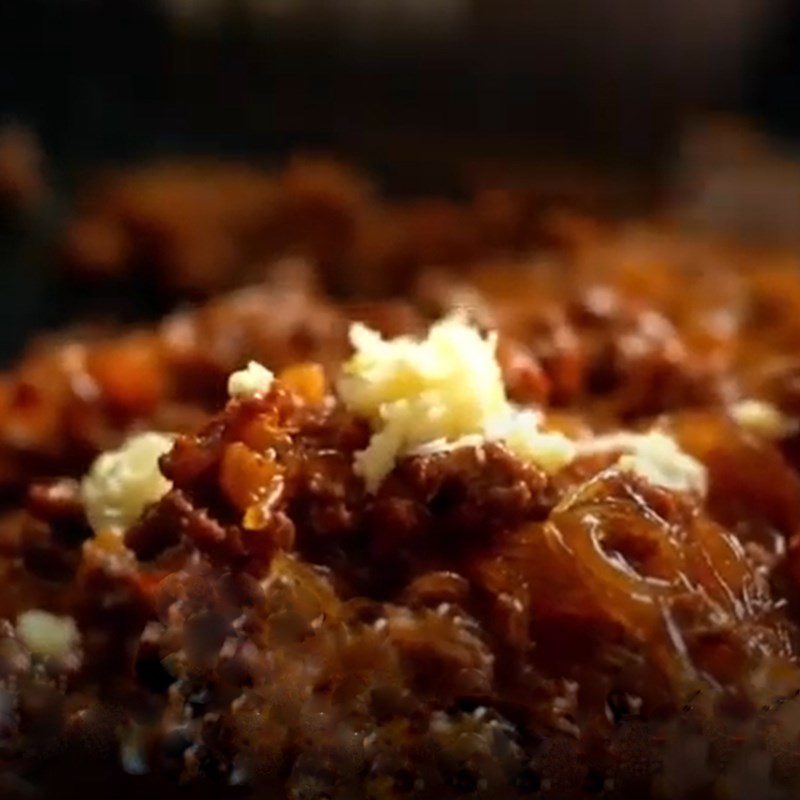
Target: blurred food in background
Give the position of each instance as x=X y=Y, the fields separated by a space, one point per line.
x=193 y=227
x=198 y=227
x=168 y=125
x=732 y=178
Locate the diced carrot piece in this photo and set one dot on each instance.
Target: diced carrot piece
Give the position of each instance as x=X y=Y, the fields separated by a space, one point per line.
x=246 y=476
x=306 y=379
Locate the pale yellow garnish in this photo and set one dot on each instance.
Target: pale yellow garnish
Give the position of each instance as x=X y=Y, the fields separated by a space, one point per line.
x=255 y=379
x=122 y=483
x=435 y=394
x=655 y=457
x=762 y=419
x=523 y=436
x=46 y=634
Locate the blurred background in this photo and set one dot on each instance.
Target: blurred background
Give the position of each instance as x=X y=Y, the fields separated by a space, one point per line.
x=619 y=106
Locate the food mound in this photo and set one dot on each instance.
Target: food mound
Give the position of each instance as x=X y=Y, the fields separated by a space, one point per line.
x=532 y=533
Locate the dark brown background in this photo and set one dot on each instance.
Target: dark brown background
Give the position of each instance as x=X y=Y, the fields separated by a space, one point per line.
x=415 y=91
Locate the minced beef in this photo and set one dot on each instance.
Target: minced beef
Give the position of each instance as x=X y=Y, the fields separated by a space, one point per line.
x=476 y=627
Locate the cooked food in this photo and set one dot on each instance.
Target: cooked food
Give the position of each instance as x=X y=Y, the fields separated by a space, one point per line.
x=536 y=536
x=69 y=399
x=197 y=228
x=530 y=531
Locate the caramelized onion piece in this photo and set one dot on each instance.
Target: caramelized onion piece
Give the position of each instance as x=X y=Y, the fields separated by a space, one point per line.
x=749 y=479
x=623 y=560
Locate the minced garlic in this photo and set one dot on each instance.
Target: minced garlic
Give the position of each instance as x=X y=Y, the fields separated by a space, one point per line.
x=435 y=394
x=122 y=483
x=255 y=379
x=521 y=432
x=46 y=634
x=655 y=457
x=762 y=419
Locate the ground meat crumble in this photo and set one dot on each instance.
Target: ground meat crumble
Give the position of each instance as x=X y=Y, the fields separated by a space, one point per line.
x=269 y=628
x=476 y=627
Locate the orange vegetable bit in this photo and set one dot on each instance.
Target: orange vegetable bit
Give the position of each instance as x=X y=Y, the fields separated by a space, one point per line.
x=262 y=432
x=306 y=379
x=246 y=476
x=131 y=374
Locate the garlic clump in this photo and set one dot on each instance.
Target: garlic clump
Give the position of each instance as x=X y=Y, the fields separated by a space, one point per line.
x=437 y=393
x=46 y=634
x=654 y=456
x=255 y=379
x=121 y=483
